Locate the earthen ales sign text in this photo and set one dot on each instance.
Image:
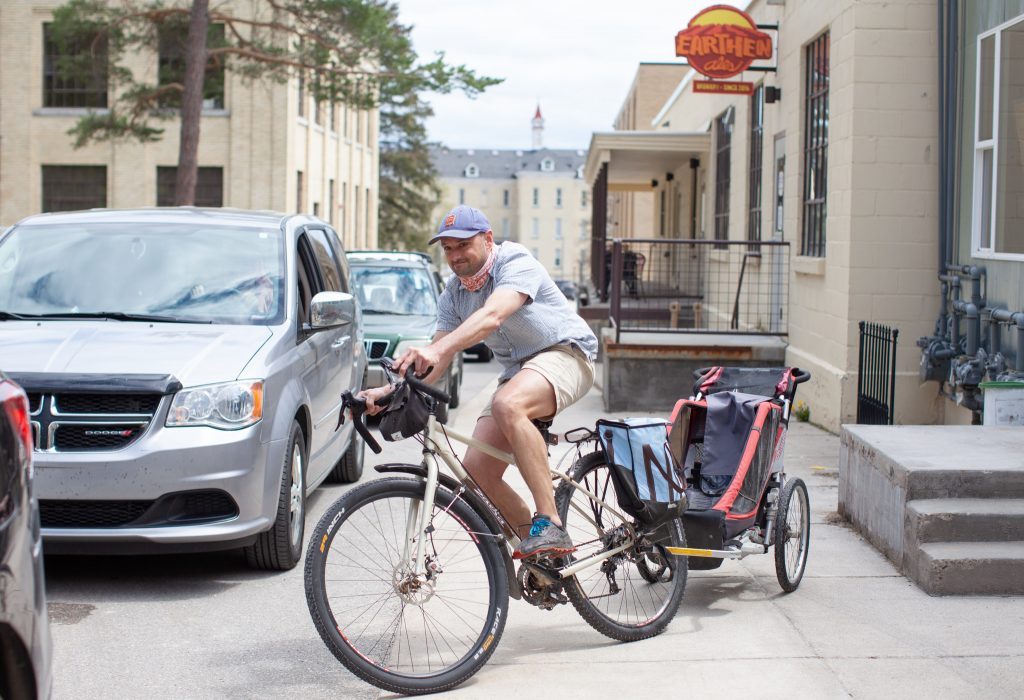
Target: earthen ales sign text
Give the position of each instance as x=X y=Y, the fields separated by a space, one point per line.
x=721 y=42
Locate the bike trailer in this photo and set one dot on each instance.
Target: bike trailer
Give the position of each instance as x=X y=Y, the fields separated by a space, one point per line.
x=729 y=438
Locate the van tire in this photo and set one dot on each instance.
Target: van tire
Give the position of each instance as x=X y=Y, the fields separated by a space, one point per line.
x=278 y=549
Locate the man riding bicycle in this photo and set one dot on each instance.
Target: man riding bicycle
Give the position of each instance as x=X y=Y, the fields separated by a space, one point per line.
x=501 y=295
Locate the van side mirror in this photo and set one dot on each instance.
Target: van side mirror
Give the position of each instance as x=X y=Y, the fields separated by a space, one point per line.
x=332 y=309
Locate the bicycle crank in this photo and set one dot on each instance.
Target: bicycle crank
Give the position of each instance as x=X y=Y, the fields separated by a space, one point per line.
x=540 y=587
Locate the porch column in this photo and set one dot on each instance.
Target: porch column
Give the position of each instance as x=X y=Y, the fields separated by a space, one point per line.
x=599 y=231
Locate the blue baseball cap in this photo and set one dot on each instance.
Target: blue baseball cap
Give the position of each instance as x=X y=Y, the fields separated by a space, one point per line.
x=462 y=222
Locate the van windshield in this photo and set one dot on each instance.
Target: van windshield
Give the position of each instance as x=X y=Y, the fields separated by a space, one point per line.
x=209 y=274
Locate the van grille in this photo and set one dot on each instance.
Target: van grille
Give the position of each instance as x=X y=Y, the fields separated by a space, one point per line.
x=82 y=422
x=375 y=349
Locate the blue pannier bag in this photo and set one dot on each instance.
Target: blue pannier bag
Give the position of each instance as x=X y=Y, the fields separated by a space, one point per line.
x=648 y=482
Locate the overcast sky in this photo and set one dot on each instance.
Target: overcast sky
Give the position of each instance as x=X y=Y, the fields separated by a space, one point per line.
x=576 y=58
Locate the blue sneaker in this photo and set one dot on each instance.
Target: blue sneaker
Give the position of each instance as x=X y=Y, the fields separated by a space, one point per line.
x=545 y=538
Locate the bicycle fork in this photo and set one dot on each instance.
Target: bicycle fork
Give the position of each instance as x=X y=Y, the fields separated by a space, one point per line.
x=419 y=518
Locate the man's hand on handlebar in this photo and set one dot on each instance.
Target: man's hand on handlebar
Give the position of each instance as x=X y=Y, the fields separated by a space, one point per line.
x=374 y=398
x=421 y=360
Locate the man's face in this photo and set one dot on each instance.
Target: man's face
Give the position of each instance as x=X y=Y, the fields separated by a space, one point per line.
x=466 y=256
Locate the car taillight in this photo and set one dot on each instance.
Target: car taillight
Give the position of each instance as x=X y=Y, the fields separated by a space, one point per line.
x=15 y=404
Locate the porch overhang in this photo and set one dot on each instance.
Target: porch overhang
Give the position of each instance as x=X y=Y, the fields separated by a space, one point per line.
x=635 y=158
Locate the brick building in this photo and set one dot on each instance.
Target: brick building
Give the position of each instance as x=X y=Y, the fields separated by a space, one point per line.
x=262 y=146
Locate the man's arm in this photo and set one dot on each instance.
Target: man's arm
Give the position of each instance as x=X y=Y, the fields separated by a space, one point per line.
x=501 y=304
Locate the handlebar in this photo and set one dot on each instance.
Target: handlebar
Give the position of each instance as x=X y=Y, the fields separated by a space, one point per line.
x=357 y=407
x=416 y=383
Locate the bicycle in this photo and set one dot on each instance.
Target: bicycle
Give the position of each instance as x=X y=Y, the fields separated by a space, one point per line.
x=408 y=578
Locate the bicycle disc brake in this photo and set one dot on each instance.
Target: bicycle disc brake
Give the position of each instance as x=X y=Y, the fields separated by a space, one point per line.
x=539 y=587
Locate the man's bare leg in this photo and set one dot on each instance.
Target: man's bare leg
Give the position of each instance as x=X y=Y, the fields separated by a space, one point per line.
x=488 y=473
x=525 y=397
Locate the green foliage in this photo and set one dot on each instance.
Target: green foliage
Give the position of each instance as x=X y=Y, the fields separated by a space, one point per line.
x=802 y=412
x=354 y=52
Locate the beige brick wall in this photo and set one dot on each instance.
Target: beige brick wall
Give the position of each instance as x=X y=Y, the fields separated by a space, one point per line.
x=258 y=140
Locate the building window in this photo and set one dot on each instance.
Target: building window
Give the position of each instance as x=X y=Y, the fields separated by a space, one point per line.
x=547 y=165
x=558 y=197
x=357 y=234
x=998 y=219
x=723 y=148
x=812 y=240
x=209 y=186
x=71 y=187
x=583 y=198
x=583 y=230
x=558 y=229
x=343 y=219
x=754 y=175
x=535 y=252
x=462 y=196
x=330 y=200
x=535 y=232
x=472 y=170
x=300 y=192
x=302 y=95
x=504 y=228
x=334 y=117
x=504 y=198
x=82 y=90
x=171 y=40
x=558 y=257
x=536 y=197
x=316 y=208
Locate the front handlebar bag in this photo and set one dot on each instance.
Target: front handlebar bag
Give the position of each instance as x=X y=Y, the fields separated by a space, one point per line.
x=406 y=414
x=648 y=482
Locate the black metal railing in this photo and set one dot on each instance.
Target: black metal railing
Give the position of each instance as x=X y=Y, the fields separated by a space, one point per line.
x=696 y=286
x=876 y=374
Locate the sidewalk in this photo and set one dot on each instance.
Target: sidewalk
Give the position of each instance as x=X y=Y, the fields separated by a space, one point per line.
x=854 y=628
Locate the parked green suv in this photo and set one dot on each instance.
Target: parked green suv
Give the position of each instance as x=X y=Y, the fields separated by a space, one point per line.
x=398 y=293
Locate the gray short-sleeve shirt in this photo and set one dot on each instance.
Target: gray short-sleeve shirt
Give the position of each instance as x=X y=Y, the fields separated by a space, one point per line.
x=545 y=320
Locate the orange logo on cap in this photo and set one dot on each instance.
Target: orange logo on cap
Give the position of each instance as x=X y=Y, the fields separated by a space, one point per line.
x=449 y=220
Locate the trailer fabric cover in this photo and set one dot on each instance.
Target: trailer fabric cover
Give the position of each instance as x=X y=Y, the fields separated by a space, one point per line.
x=730 y=417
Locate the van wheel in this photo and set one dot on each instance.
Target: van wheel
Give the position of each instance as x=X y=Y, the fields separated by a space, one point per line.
x=280 y=547
x=350 y=467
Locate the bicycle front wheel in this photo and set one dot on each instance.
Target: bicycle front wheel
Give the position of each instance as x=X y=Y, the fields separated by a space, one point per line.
x=403 y=628
x=632 y=595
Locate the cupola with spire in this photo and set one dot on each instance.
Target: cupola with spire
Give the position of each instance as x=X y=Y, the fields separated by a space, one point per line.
x=538 y=129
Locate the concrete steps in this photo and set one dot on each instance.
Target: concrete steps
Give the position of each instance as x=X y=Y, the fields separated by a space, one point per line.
x=956 y=568
x=965 y=520
x=944 y=503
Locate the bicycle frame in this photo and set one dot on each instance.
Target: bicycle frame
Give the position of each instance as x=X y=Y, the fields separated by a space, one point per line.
x=435 y=448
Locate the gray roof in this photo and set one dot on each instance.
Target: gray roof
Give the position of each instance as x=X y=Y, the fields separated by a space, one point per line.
x=495 y=163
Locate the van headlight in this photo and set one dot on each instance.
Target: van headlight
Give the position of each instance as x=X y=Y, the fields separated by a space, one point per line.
x=227 y=406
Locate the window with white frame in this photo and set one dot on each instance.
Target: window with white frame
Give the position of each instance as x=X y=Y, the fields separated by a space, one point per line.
x=535 y=233
x=558 y=257
x=998 y=216
x=558 y=229
x=583 y=230
x=504 y=228
x=472 y=170
x=536 y=196
x=504 y=198
x=558 y=197
x=547 y=165
x=462 y=196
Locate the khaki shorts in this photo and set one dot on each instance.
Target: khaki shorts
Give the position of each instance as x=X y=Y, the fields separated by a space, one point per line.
x=568 y=371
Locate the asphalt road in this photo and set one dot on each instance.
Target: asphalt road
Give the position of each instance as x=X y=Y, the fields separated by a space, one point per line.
x=203 y=625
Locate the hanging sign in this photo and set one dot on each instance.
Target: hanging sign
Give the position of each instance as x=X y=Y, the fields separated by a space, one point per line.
x=721 y=42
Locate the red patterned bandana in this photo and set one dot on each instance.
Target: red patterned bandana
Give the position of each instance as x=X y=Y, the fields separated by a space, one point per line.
x=475 y=282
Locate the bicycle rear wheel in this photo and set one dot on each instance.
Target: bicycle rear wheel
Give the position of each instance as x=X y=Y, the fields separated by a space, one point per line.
x=632 y=595
x=400 y=632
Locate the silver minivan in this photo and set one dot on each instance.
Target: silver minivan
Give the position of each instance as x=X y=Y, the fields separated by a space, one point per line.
x=184 y=369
